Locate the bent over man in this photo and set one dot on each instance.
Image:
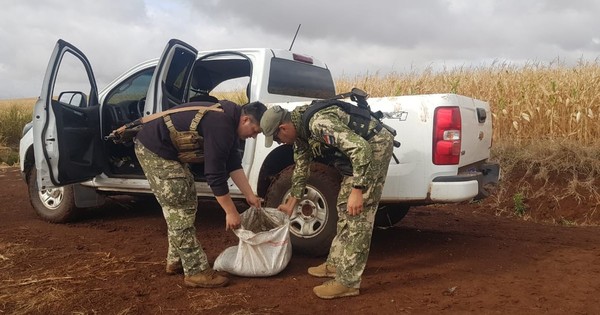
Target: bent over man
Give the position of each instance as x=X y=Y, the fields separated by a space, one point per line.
x=369 y=149
x=166 y=146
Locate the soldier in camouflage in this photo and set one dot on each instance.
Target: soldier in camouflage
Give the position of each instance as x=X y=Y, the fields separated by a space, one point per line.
x=359 y=195
x=173 y=183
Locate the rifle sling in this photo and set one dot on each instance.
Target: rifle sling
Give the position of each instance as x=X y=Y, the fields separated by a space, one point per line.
x=145 y=119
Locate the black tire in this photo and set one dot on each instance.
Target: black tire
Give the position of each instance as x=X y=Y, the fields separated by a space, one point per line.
x=388 y=215
x=313 y=223
x=55 y=205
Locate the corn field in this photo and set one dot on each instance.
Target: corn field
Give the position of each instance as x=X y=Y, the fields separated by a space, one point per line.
x=529 y=103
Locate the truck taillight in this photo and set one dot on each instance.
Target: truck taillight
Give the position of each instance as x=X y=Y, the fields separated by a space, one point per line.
x=446 y=135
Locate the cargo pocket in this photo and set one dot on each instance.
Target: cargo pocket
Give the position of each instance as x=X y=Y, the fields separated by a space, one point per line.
x=176 y=186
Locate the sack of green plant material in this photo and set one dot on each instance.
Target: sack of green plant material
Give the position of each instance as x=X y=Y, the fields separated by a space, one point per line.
x=264 y=247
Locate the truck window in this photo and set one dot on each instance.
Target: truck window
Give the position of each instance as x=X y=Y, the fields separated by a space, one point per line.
x=177 y=76
x=294 y=78
x=132 y=89
x=125 y=102
x=72 y=83
x=224 y=75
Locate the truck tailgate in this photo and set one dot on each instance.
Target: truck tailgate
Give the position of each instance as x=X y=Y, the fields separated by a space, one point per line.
x=476 y=135
x=476 y=120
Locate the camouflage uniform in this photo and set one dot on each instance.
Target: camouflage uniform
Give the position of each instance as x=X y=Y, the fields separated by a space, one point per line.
x=173 y=185
x=370 y=160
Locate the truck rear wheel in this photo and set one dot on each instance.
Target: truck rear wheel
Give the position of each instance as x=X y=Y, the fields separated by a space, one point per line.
x=55 y=205
x=313 y=223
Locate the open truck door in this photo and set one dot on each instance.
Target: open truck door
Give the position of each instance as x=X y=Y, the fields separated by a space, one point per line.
x=170 y=82
x=66 y=121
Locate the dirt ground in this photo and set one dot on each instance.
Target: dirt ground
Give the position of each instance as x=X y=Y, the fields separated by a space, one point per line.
x=450 y=259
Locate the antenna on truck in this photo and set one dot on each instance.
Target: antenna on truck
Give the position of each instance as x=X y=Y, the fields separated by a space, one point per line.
x=293 y=40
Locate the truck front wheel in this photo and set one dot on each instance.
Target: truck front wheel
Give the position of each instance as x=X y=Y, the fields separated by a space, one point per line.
x=313 y=222
x=55 y=205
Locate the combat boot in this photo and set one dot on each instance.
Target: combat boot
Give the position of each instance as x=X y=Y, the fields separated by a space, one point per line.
x=333 y=289
x=322 y=271
x=206 y=279
x=174 y=268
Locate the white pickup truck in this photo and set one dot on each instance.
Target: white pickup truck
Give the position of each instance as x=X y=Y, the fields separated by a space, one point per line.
x=69 y=165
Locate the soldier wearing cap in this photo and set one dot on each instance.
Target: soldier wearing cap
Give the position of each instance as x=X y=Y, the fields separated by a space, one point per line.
x=359 y=194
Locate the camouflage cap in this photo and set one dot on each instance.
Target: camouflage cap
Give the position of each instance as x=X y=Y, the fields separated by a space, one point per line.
x=270 y=121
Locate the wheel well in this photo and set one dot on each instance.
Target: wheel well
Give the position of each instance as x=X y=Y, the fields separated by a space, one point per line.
x=28 y=163
x=277 y=160
x=280 y=158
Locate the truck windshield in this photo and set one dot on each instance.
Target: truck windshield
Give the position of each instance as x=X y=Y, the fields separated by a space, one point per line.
x=294 y=78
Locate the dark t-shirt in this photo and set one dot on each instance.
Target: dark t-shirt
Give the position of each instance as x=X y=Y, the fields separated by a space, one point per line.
x=221 y=141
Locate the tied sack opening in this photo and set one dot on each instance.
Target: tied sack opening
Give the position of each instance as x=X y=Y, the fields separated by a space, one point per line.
x=264 y=247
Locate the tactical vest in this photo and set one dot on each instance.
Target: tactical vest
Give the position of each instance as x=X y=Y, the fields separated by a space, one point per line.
x=189 y=143
x=360 y=121
x=360 y=118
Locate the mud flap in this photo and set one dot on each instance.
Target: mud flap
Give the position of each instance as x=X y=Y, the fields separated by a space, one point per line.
x=490 y=175
x=86 y=197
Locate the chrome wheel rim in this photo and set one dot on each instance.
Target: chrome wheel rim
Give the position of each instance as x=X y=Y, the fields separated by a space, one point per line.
x=310 y=215
x=51 y=198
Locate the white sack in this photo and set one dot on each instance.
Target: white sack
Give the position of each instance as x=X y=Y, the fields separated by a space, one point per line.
x=264 y=247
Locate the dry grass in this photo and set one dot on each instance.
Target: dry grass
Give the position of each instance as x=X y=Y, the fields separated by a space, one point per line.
x=557 y=179
x=25 y=103
x=27 y=295
x=529 y=103
x=39 y=289
x=14 y=114
x=238 y=97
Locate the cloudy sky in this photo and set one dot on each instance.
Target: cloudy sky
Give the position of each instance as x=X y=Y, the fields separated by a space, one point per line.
x=353 y=37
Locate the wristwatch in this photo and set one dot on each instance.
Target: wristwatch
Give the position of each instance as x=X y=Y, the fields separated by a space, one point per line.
x=358 y=187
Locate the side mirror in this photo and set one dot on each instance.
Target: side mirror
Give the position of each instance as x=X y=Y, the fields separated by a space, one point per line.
x=74 y=98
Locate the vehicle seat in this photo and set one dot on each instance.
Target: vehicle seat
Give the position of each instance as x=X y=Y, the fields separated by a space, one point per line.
x=204 y=98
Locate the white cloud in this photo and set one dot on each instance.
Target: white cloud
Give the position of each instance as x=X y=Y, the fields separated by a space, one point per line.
x=352 y=37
